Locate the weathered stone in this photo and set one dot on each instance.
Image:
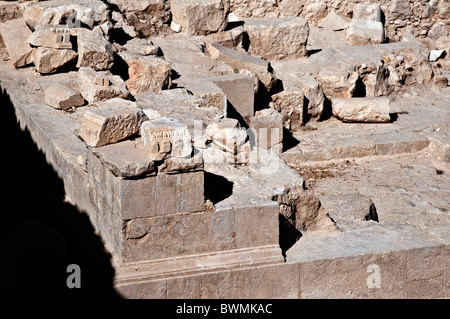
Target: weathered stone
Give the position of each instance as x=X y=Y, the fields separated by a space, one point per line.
x=370 y=12
x=372 y=110
x=278 y=38
x=97 y=86
x=234 y=38
x=241 y=61
x=48 y=60
x=109 y=125
x=438 y=30
x=334 y=21
x=312 y=90
x=15 y=34
x=290 y=103
x=51 y=37
x=200 y=17
x=338 y=80
x=62 y=97
x=142 y=47
x=267 y=128
x=239 y=93
x=125 y=160
x=10 y=10
x=147 y=17
x=362 y=32
x=166 y=137
x=94 y=50
x=147 y=73
x=75 y=14
x=227 y=135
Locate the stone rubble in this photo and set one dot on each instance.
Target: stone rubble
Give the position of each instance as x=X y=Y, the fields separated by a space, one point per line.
x=189 y=117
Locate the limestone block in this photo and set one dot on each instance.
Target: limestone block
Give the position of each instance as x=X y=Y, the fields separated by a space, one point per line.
x=338 y=80
x=62 y=97
x=147 y=73
x=290 y=103
x=372 y=110
x=440 y=144
x=166 y=137
x=110 y=125
x=200 y=17
x=161 y=195
x=334 y=21
x=234 y=38
x=278 y=38
x=267 y=128
x=48 y=36
x=142 y=47
x=97 y=86
x=15 y=34
x=370 y=12
x=10 y=10
x=362 y=32
x=242 y=61
x=312 y=90
x=227 y=134
x=436 y=55
x=76 y=13
x=48 y=60
x=239 y=93
x=94 y=50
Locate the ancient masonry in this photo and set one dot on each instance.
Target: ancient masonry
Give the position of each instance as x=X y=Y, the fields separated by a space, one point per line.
x=215 y=144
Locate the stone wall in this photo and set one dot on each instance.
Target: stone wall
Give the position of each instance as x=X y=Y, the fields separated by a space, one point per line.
x=424 y=18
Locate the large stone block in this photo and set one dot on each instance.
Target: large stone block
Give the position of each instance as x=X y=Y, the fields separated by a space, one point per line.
x=199 y=17
x=97 y=86
x=290 y=103
x=62 y=97
x=15 y=34
x=49 y=60
x=94 y=50
x=239 y=93
x=275 y=39
x=163 y=194
x=146 y=73
x=242 y=61
x=267 y=128
x=166 y=137
x=362 y=32
x=372 y=110
x=109 y=125
x=49 y=36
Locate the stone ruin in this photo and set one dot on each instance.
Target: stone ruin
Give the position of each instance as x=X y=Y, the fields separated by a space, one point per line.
x=183 y=130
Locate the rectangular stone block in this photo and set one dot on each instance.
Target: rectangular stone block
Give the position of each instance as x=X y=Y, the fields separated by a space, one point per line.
x=108 y=126
x=15 y=34
x=178 y=235
x=276 y=39
x=402 y=142
x=364 y=109
x=267 y=129
x=242 y=61
x=362 y=32
x=163 y=194
x=239 y=93
x=257 y=225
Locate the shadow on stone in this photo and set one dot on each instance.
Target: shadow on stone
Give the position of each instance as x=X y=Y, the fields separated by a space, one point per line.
x=42 y=233
x=217 y=188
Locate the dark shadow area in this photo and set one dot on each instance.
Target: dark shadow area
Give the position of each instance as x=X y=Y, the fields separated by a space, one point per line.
x=263 y=97
x=327 y=110
x=120 y=67
x=394 y=117
x=233 y=113
x=217 y=188
x=360 y=89
x=311 y=52
x=233 y=24
x=289 y=141
x=118 y=35
x=288 y=234
x=42 y=234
